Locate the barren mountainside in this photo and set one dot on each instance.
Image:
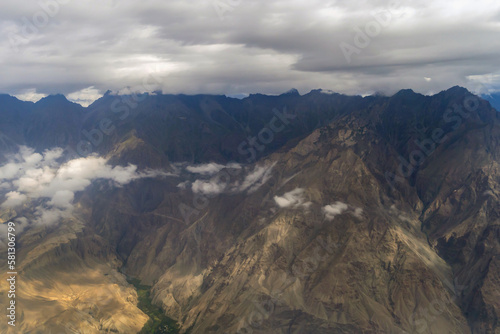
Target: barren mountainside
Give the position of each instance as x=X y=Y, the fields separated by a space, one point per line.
x=320 y=213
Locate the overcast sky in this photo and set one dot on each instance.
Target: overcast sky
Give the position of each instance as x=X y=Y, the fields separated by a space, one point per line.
x=83 y=48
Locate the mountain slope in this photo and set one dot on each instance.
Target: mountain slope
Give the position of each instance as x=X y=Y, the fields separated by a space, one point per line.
x=348 y=214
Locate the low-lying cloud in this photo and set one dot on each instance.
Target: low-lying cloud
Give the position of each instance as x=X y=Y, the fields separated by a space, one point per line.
x=255 y=179
x=210 y=168
x=293 y=199
x=210 y=187
x=332 y=210
x=222 y=181
x=30 y=176
x=14 y=199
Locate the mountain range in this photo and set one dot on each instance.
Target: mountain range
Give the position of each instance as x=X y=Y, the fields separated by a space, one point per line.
x=315 y=213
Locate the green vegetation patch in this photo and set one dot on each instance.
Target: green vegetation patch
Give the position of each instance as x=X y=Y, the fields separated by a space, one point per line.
x=158 y=322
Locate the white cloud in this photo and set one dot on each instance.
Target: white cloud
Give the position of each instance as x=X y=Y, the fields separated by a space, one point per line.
x=206 y=169
x=31 y=175
x=49 y=156
x=211 y=168
x=30 y=95
x=224 y=182
x=14 y=199
x=85 y=97
x=358 y=213
x=5 y=185
x=183 y=185
x=255 y=179
x=332 y=210
x=48 y=216
x=211 y=187
x=62 y=199
x=292 y=199
x=8 y=171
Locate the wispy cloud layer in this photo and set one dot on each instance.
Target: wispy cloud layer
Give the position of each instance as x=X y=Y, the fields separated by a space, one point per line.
x=214 y=179
x=210 y=168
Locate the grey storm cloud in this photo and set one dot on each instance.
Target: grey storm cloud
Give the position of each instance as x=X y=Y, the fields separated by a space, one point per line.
x=84 y=48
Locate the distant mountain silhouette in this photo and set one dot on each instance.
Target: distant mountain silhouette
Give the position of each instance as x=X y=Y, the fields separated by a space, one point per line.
x=494 y=99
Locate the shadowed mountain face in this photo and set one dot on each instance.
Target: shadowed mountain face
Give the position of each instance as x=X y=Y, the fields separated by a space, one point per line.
x=494 y=99
x=320 y=213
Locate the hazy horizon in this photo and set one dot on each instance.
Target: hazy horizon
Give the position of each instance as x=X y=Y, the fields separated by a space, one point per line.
x=87 y=103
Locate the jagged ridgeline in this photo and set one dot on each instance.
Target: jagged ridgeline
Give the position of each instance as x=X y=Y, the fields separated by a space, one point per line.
x=320 y=213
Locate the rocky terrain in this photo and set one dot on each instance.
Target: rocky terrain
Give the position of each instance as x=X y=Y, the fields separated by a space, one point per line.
x=320 y=213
